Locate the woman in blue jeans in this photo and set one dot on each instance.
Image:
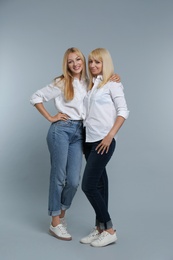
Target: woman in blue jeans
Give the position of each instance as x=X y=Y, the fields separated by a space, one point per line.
x=106 y=111
x=65 y=136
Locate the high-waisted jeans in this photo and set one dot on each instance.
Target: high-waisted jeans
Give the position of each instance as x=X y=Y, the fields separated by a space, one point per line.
x=95 y=182
x=65 y=143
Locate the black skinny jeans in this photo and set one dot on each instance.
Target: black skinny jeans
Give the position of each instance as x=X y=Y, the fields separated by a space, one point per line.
x=95 y=182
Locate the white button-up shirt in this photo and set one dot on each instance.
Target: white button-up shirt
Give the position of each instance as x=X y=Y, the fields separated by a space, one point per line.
x=103 y=105
x=73 y=108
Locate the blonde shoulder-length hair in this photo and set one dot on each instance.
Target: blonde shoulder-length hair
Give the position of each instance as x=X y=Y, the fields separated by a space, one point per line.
x=67 y=78
x=102 y=55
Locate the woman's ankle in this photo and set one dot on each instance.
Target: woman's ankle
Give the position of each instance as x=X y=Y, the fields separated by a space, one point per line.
x=62 y=215
x=110 y=231
x=55 y=221
x=99 y=230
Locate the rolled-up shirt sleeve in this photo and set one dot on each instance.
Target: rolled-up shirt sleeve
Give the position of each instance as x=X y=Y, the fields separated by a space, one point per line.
x=119 y=100
x=45 y=94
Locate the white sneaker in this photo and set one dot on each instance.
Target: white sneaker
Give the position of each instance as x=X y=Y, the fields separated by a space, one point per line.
x=91 y=237
x=60 y=232
x=63 y=222
x=104 y=239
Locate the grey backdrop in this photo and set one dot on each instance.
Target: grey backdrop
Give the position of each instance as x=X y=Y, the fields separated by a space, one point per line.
x=139 y=35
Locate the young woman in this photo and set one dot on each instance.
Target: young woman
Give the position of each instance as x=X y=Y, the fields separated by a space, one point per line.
x=65 y=136
x=106 y=111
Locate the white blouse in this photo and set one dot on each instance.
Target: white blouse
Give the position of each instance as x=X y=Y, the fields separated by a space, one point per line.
x=73 y=108
x=102 y=106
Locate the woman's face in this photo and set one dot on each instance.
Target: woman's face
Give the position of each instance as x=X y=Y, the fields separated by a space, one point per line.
x=95 y=67
x=75 y=64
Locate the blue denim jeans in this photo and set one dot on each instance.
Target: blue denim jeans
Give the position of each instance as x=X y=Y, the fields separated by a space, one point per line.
x=95 y=182
x=65 y=141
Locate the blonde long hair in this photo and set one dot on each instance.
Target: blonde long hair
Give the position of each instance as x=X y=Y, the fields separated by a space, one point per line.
x=103 y=55
x=67 y=77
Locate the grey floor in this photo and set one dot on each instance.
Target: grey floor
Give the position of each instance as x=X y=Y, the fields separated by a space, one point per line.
x=144 y=228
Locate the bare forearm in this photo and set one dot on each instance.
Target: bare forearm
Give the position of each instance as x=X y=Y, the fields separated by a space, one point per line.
x=105 y=143
x=40 y=107
x=59 y=116
x=117 y=125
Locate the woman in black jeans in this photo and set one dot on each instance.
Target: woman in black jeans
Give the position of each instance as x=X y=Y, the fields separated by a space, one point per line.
x=106 y=111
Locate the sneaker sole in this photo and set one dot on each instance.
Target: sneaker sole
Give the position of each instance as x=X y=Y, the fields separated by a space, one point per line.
x=87 y=243
x=61 y=238
x=111 y=243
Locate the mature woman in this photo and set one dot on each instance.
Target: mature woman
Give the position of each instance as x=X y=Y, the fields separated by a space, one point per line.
x=106 y=111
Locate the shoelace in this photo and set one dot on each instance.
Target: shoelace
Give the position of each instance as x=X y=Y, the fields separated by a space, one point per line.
x=94 y=233
x=103 y=235
x=63 y=229
x=63 y=222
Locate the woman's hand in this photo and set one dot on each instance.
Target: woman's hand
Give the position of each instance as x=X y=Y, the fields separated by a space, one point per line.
x=104 y=144
x=115 y=78
x=59 y=116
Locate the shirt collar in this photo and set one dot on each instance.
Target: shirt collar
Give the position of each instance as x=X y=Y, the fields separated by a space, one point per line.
x=99 y=77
